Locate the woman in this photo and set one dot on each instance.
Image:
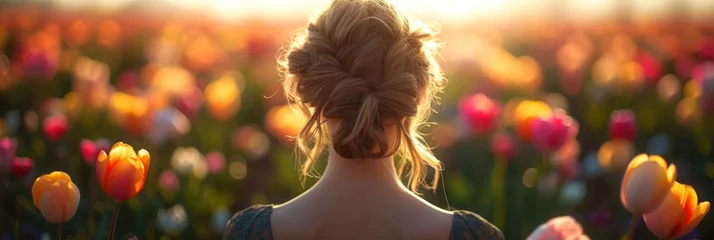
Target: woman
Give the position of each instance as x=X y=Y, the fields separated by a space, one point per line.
x=366 y=77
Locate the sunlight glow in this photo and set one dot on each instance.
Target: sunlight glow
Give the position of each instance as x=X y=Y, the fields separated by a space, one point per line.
x=444 y=10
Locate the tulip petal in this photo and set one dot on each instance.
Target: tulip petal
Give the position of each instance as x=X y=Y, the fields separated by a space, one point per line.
x=663 y=220
x=119 y=152
x=699 y=213
x=671 y=174
x=634 y=163
x=59 y=203
x=117 y=144
x=50 y=209
x=71 y=202
x=689 y=203
x=646 y=188
x=102 y=167
x=125 y=179
x=57 y=176
x=145 y=160
x=44 y=183
x=659 y=160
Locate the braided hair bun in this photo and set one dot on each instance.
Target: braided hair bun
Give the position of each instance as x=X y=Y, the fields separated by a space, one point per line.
x=364 y=64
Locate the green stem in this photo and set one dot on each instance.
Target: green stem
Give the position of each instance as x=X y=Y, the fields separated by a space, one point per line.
x=114 y=221
x=92 y=199
x=2 y=204
x=17 y=221
x=498 y=183
x=546 y=164
x=633 y=226
x=59 y=231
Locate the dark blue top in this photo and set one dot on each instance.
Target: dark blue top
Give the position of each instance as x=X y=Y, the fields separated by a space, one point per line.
x=254 y=223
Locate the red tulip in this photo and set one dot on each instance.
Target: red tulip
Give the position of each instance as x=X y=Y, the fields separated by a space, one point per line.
x=21 y=166
x=55 y=127
x=623 y=125
x=128 y=81
x=650 y=66
x=480 y=113
x=550 y=133
x=684 y=65
x=8 y=148
x=503 y=146
x=90 y=149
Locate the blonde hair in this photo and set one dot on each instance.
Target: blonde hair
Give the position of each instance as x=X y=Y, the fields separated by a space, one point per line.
x=361 y=62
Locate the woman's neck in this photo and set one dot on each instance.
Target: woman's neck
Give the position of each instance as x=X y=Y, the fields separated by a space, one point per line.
x=371 y=175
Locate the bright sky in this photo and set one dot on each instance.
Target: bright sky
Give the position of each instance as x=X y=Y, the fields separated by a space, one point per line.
x=441 y=9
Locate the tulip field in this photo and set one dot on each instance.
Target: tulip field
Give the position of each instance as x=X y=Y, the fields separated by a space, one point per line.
x=127 y=126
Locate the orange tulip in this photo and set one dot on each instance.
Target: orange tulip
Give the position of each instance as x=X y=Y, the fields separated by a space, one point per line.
x=283 y=123
x=56 y=196
x=223 y=98
x=122 y=173
x=646 y=183
x=525 y=113
x=678 y=214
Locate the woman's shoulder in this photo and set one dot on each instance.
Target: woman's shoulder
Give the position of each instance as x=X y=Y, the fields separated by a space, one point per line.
x=250 y=223
x=468 y=225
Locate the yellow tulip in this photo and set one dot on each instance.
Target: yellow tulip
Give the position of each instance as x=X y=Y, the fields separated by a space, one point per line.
x=615 y=154
x=223 y=98
x=122 y=173
x=678 y=214
x=56 y=197
x=646 y=183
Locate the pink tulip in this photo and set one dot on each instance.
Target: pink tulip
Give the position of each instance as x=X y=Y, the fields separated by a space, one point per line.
x=90 y=149
x=8 y=148
x=559 y=228
x=38 y=55
x=550 y=133
x=21 y=166
x=567 y=159
x=215 y=161
x=503 y=146
x=623 y=125
x=651 y=67
x=573 y=129
x=480 y=113
x=169 y=181
x=703 y=75
x=55 y=127
x=190 y=103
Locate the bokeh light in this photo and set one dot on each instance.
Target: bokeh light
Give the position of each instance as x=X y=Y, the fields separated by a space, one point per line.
x=238 y=170
x=197 y=84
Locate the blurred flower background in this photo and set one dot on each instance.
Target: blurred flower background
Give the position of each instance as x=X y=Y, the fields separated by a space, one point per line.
x=547 y=103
